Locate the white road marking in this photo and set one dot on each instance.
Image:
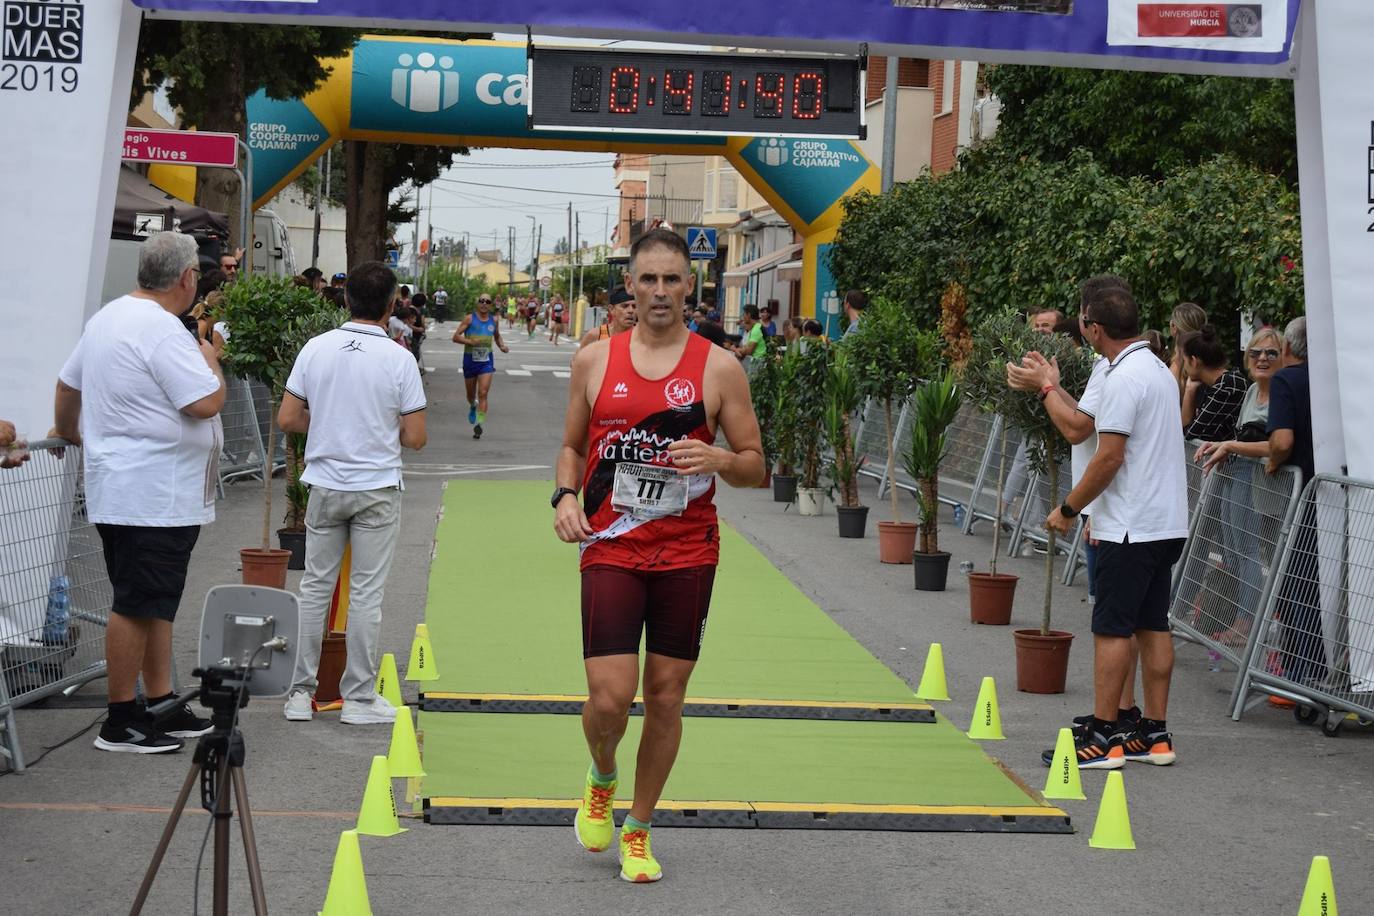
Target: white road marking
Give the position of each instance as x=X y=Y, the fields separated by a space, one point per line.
x=562 y=375
x=520 y=372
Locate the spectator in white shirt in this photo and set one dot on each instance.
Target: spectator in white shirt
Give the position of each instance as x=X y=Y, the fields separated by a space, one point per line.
x=361 y=400
x=1137 y=486
x=142 y=395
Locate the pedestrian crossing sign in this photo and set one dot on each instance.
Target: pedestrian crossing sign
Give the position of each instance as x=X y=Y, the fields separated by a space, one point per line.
x=701 y=242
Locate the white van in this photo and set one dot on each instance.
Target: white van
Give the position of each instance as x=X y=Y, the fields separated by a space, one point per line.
x=272 y=254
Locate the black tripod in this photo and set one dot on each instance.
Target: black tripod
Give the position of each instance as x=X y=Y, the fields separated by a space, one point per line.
x=218 y=757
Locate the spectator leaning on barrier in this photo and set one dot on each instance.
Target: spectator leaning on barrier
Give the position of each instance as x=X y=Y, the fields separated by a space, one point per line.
x=15 y=450
x=1213 y=392
x=1290 y=442
x=361 y=400
x=1138 y=490
x=1241 y=523
x=142 y=398
x=1075 y=421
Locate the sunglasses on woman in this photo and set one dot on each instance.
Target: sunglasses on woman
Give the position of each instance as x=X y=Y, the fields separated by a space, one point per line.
x=1266 y=354
x=484 y=302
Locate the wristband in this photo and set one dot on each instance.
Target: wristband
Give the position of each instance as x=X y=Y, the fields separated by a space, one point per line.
x=1067 y=511
x=1045 y=391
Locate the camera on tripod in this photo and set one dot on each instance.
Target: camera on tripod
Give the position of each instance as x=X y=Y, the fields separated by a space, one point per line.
x=249 y=639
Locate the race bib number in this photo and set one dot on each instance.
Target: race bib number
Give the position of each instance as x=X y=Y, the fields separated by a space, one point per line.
x=647 y=491
x=481 y=351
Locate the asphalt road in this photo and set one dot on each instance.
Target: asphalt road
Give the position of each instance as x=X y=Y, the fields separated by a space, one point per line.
x=1230 y=829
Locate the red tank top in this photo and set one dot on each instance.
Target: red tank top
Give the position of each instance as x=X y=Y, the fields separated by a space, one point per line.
x=634 y=419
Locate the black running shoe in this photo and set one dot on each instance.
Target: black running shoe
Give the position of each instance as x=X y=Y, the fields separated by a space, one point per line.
x=135 y=736
x=477 y=431
x=1096 y=751
x=183 y=723
x=1150 y=746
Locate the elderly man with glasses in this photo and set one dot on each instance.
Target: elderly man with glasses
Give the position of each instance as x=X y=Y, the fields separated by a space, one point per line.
x=477 y=332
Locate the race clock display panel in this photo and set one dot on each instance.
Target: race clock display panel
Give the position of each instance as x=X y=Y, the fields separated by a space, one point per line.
x=593 y=89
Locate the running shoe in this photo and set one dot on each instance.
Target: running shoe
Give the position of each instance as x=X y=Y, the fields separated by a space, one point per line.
x=477 y=431
x=299 y=707
x=637 y=862
x=1127 y=719
x=1149 y=746
x=472 y=414
x=375 y=711
x=135 y=736
x=183 y=723
x=594 y=824
x=1096 y=751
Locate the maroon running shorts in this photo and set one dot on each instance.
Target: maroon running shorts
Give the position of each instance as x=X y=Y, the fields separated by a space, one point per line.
x=668 y=606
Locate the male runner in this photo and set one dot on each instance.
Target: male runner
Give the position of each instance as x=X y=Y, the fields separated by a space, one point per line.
x=619 y=317
x=532 y=315
x=476 y=333
x=513 y=306
x=556 y=313
x=643 y=410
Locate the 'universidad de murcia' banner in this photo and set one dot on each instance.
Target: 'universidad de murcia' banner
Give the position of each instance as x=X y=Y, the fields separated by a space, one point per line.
x=1254 y=26
x=1219 y=37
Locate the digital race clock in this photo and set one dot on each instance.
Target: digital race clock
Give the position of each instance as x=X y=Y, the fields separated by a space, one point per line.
x=662 y=92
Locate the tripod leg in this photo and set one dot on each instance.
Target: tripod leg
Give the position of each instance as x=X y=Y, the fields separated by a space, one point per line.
x=250 y=843
x=222 y=814
x=166 y=840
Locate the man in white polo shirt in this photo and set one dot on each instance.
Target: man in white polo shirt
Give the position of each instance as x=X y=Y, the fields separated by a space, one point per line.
x=360 y=398
x=1138 y=490
x=142 y=396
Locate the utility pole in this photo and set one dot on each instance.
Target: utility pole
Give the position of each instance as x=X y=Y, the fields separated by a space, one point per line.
x=570 y=248
x=890 y=124
x=510 y=261
x=321 y=194
x=577 y=232
x=538 y=247
x=463 y=262
x=534 y=251
x=429 y=236
x=415 y=248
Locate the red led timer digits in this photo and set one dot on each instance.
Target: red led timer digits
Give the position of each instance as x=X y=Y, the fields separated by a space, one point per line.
x=769 y=89
x=624 y=90
x=806 y=96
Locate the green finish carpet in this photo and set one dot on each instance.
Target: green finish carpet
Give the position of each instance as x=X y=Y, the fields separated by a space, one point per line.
x=504 y=618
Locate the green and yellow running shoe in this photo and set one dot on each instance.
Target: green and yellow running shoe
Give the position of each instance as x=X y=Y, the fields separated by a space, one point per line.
x=594 y=824
x=637 y=862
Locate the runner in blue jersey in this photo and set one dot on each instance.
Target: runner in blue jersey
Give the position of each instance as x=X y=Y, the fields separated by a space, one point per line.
x=477 y=332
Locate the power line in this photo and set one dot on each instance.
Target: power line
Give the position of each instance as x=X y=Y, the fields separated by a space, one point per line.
x=509 y=187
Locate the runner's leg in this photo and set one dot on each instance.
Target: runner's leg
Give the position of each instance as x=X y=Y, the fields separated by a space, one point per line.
x=483 y=389
x=611 y=682
x=665 y=687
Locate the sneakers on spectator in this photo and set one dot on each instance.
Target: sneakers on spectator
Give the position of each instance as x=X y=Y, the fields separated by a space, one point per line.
x=299 y=707
x=1148 y=743
x=183 y=723
x=1126 y=719
x=135 y=736
x=1096 y=751
x=375 y=711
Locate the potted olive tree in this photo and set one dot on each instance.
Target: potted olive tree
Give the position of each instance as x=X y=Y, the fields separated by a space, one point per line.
x=888 y=354
x=933 y=409
x=763 y=392
x=785 y=429
x=806 y=392
x=269 y=320
x=842 y=398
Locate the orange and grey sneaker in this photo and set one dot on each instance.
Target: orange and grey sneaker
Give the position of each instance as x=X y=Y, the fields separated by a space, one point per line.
x=594 y=824
x=1149 y=743
x=1096 y=751
x=637 y=862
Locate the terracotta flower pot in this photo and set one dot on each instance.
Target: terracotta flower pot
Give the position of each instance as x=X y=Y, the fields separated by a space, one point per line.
x=264 y=566
x=896 y=541
x=767 y=479
x=1042 y=662
x=990 y=597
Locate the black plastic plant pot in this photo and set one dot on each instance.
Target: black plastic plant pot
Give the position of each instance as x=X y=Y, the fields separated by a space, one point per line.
x=853 y=521
x=932 y=569
x=784 y=488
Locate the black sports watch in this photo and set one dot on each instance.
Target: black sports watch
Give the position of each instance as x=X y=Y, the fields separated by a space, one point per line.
x=559 y=494
x=1067 y=511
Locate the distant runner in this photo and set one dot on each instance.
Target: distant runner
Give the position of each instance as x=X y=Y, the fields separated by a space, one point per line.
x=619 y=317
x=532 y=316
x=557 y=311
x=643 y=411
x=476 y=333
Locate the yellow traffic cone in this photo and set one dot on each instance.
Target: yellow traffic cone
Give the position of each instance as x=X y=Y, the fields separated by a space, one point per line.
x=1113 y=827
x=421 y=666
x=388 y=682
x=1319 y=898
x=347 y=894
x=987 y=722
x=1063 y=780
x=377 y=817
x=932 y=686
x=403 y=758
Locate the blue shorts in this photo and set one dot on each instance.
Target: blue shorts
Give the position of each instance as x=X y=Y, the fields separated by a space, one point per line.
x=472 y=369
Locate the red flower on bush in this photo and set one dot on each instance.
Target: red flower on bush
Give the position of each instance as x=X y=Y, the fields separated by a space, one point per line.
x=1286 y=263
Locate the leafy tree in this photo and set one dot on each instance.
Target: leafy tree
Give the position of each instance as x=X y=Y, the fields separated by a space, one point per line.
x=211 y=68
x=373 y=171
x=1148 y=124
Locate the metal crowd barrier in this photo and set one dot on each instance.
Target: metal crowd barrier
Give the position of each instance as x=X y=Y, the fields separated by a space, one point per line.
x=1314 y=641
x=870 y=439
x=241 y=454
x=1239 y=519
x=1036 y=503
x=55 y=595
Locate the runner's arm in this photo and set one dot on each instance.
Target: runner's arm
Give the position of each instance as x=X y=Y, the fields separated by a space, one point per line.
x=499 y=342
x=570 y=520
x=741 y=465
x=458 y=336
